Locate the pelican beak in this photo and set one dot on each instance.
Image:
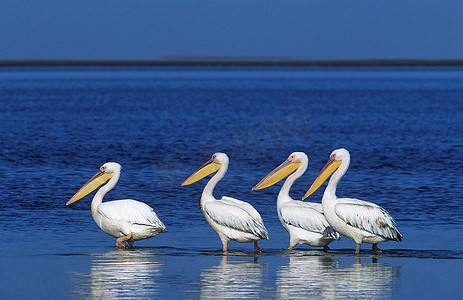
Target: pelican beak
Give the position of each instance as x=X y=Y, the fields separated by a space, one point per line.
x=94 y=182
x=331 y=166
x=283 y=170
x=208 y=168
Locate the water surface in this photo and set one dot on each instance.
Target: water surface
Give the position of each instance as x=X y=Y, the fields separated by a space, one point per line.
x=402 y=126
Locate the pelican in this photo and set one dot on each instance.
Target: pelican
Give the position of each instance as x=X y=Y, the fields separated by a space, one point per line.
x=231 y=219
x=361 y=221
x=304 y=221
x=127 y=220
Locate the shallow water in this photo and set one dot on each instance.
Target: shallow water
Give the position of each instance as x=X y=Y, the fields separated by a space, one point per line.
x=402 y=126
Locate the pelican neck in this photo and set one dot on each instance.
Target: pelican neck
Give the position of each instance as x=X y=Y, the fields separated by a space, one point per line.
x=98 y=198
x=209 y=188
x=284 y=191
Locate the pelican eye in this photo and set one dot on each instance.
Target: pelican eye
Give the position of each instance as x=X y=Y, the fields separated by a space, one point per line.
x=103 y=169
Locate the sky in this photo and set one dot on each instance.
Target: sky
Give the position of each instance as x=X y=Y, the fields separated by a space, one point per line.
x=152 y=30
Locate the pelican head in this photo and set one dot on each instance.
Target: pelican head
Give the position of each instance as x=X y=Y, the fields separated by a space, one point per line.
x=336 y=158
x=105 y=173
x=291 y=164
x=213 y=165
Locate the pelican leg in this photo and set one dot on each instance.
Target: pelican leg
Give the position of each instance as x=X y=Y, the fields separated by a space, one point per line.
x=293 y=242
x=120 y=240
x=375 y=248
x=225 y=247
x=326 y=248
x=256 y=248
x=357 y=249
x=130 y=244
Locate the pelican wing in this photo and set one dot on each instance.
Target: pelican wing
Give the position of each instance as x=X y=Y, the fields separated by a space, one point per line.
x=130 y=211
x=307 y=216
x=369 y=217
x=245 y=206
x=238 y=215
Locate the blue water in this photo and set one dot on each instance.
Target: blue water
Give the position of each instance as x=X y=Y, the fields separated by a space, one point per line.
x=402 y=126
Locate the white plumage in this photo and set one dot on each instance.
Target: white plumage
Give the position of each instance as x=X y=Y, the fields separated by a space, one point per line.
x=308 y=216
x=361 y=221
x=127 y=220
x=304 y=221
x=236 y=214
x=367 y=216
x=231 y=219
x=129 y=210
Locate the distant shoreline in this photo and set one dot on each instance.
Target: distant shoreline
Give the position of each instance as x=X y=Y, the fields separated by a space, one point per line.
x=234 y=62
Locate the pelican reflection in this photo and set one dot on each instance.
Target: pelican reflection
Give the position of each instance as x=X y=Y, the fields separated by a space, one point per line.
x=325 y=277
x=122 y=274
x=233 y=279
x=367 y=280
x=305 y=276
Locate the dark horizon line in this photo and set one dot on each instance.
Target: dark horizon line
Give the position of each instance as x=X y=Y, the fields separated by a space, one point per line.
x=235 y=62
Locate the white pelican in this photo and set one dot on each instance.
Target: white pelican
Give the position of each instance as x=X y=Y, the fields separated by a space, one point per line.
x=127 y=220
x=361 y=221
x=304 y=221
x=231 y=219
